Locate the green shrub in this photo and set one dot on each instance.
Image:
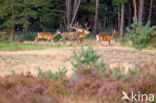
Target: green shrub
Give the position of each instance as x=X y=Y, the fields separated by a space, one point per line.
x=88 y=59
x=29 y=36
x=117 y=73
x=56 y=75
x=141 y=35
x=3 y=36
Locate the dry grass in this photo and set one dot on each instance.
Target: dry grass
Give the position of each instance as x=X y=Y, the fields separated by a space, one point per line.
x=52 y=59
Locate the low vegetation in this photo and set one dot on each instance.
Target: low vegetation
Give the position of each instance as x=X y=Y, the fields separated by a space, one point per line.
x=91 y=82
x=49 y=74
x=26 y=46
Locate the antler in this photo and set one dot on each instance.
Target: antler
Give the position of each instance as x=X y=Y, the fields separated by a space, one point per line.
x=87 y=27
x=76 y=27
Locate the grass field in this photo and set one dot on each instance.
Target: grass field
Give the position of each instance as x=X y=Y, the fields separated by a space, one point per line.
x=27 y=46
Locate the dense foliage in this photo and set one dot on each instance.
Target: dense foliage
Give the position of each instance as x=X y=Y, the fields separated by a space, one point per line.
x=141 y=35
x=23 y=13
x=41 y=15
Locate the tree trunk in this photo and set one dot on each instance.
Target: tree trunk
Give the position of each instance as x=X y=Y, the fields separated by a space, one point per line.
x=96 y=18
x=150 y=10
x=122 y=20
x=12 y=33
x=75 y=2
x=68 y=12
x=116 y=23
x=129 y=14
x=134 y=9
x=26 y=25
x=75 y=12
x=119 y=20
x=141 y=7
x=104 y=24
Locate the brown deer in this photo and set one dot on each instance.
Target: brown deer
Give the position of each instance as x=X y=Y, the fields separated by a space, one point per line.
x=71 y=35
x=84 y=33
x=105 y=37
x=79 y=33
x=46 y=35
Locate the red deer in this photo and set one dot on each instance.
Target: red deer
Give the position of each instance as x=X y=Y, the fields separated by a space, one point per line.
x=71 y=35
x=46 y=35
x=105 y=37
x=79 y=34
x=84 y=33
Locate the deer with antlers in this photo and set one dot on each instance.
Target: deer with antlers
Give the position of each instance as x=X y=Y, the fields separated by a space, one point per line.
x=46 y=35
x=105 y=37
x=71 y=35
x=84 y=33
x=77 y=35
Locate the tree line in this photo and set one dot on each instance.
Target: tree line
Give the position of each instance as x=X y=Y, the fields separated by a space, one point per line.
x=49 y=15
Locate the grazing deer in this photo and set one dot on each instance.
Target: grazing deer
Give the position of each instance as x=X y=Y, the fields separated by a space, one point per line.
x=46 y=35
x=105 y=37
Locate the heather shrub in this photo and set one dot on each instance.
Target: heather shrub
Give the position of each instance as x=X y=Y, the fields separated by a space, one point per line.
x=144 y=84
x=88 y=67
x=96 y=86
x=93 y=79
x=25 y=89
x=59 y=88
x=88 y=86
x=145 y=81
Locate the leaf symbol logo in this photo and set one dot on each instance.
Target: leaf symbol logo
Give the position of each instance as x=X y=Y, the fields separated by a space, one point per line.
x=125 y=96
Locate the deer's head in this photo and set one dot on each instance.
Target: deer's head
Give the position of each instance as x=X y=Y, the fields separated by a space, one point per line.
x=58 y=32
x=86 y=30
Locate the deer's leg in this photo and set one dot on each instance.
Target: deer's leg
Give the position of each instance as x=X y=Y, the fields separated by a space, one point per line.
x=64 y=40
x=47 y=41
x=52 y=41
x=109 y=42
x=36 y=39
x=79 y=41
x=71 y=41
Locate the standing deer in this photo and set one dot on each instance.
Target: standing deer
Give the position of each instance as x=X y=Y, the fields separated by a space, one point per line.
x=105 y=37
x=46 y=35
